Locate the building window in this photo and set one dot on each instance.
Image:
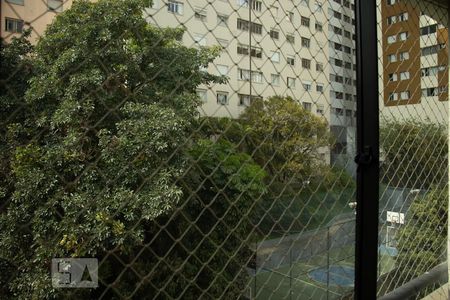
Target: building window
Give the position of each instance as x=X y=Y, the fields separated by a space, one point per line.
x=319 y=26
x=175 y=7
x=275 y=79
x=290 y=38
x=319 y=67
x=246 y=100
x=274 y=34
x=242 y=49
x=391 y=39
x=222 y=98
x=403 y=36
x=305 y=42
x=337 y=62
x=245 y=25
x=246 y=75
x=428 y=29
x=290 y=60
x=404 y=95
x=306 y=86
x=432 y=71
x=13 y=25
x=305 y=21
x=291 y=82
x=430 y=92
x=222 y=20
x=257 y=77
x=403 y=17
x=392 y=77
x=275 y=57
x=432 y=49
x=404 y=75
x=391 y=20
x=392 y=58
x=307 y=106
x=320 y=109
x=306 y=63
x=203 y=95
x=200 y=15
x=254 y=51
x=404 y=56
x=319 y=88
x=256 y=5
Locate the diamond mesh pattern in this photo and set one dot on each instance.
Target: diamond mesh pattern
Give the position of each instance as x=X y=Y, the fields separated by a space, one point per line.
x=414 y=141
x=204 y=149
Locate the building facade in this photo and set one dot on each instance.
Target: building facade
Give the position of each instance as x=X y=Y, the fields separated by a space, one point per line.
x=17 y=15
x=415 y=59
x=304 y=49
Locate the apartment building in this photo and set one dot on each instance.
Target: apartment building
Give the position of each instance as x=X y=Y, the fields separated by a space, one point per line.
x=342 y=60
x=302 y=48
x=270 y=48
x=415 y=60
x=16 y=15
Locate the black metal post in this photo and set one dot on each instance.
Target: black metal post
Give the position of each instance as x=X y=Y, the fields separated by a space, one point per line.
x=368 y=151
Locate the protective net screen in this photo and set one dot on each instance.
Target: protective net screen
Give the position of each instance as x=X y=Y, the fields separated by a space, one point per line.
x=204 y=149
x=413 y=70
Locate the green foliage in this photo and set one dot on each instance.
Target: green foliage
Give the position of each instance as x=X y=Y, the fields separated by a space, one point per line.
x=15 y=71
x=335 y=178
x=280 y=135
x=110 y=100
x=422 y=242
x=225 y=186
x=415 y=154
x=286 y=140
x=204 y=246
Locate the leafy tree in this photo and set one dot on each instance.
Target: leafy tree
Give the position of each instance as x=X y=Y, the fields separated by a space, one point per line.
x=284 y=137
x=110 y=101
x=422 y=242
x=415 y=154
x=201 y=248
x=280 y=135
x=15 y=70
x=213 y=225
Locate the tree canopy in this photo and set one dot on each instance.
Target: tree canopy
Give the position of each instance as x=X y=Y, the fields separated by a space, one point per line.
x=415 y=154
x=285 y=137
x=110 y=101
